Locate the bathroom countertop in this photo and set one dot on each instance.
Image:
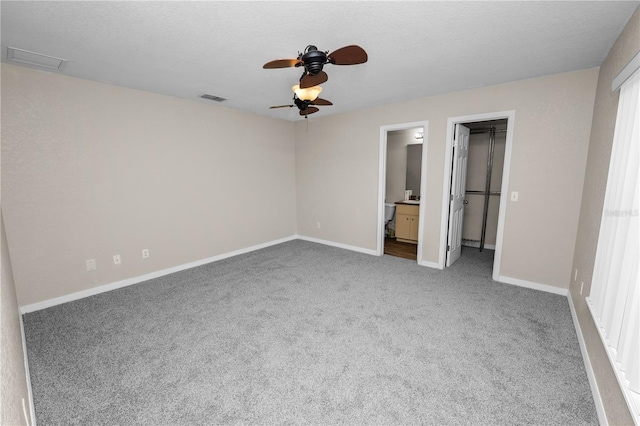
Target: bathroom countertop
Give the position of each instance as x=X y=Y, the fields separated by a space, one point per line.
x=412 y=203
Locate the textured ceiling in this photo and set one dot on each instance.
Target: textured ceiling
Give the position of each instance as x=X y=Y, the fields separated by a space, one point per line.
x=416 y=49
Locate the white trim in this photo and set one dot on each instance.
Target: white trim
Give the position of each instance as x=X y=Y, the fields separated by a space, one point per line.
x=32 y=411
x=141 y=278
x=382 y=187
x=626 y=72
x=339 y=245
x=444 y=216
x=475 y=244
x=382 y=173
x=615 y=365
x=504 y=189
x=535 y=286
x=429 y=264
x=597 y=399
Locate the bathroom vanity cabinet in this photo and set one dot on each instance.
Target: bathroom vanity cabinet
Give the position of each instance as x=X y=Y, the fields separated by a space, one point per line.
x=407 y=223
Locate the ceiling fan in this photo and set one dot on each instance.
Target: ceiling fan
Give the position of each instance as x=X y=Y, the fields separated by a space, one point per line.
x=305 y=107
x=313 y=60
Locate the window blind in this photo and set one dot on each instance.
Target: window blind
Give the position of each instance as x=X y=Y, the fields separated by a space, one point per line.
x=614 y=300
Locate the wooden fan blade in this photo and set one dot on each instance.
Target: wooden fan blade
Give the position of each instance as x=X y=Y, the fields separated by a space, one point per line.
x=282 y=63
x=348 y=55
x=320 y=101
x=281 y=106
x=313 y=80
x=309 y=110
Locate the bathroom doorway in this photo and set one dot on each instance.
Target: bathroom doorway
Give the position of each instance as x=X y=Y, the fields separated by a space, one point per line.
x=403 y=150
x=476 y=182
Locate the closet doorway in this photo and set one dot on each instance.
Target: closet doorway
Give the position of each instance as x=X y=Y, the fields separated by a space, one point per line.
x=487 y=142
x=476 y=184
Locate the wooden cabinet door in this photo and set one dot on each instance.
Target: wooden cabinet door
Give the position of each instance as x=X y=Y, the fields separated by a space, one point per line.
x=413 y=232
x=403 y=226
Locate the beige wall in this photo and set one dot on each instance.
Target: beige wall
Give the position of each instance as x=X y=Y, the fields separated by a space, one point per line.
x=595 y=181
x=337 y=170
x=14 y=383
x=90 y=170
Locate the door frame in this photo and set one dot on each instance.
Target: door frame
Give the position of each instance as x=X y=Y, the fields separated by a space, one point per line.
x=504 y=189
x=382 y=179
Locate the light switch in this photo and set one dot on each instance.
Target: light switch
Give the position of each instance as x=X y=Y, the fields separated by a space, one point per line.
x=514 y=196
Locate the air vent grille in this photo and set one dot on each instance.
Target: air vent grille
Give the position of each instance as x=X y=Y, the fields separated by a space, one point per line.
x=213 y=97
x=32 y=58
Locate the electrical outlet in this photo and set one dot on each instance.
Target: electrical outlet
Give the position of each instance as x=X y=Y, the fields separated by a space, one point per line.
x=145 y=253
x=318 y=225
x=116 y=259
x=581 y=287
x=91 y=265
x=575 y=274
x=514 y=196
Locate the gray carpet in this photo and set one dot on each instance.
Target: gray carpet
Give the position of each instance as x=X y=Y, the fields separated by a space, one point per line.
x=302 y=333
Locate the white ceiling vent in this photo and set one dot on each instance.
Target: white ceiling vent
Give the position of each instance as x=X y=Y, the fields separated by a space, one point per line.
x=32 y=58
x=213 y=97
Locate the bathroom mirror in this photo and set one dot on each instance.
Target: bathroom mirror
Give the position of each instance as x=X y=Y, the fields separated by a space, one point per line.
x=404 y=164
x=414 y=163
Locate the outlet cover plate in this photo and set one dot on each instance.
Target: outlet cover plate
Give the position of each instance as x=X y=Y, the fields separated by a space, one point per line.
x=91 y=265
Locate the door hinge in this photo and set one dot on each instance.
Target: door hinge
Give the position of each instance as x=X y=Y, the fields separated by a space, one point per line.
x=451 y=197
x=448 y=247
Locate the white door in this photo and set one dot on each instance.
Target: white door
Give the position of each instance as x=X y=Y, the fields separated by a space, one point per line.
x=458 y=187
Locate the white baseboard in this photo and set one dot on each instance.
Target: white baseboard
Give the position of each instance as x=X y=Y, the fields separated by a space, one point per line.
x=597 y=399
x=477 y=245
x=360 y=250
x=535 y=286
x=32 y=411
x=136 y=280
x=429 y=264
x=339 y=245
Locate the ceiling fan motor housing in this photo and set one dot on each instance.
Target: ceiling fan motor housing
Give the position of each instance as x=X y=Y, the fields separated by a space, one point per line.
x=302 y=105
x=314 y=60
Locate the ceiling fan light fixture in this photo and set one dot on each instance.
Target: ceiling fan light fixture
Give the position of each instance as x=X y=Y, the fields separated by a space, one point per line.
x=308 y=94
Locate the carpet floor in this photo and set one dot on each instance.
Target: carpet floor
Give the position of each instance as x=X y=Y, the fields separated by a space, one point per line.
x=302 y=333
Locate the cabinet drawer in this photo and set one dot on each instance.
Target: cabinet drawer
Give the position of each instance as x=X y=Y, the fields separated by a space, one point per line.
x=407 y=209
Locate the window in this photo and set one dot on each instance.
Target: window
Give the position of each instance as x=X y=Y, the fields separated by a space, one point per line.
x=615 y=293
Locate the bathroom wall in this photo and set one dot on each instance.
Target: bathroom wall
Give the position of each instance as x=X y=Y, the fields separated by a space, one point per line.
x=90 y=170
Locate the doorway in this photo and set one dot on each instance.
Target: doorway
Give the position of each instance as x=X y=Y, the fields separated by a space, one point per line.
x=402 y=167
x=475 y=187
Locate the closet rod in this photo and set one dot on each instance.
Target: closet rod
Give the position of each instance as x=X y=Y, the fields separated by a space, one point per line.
x=487 y=130
x=482 y=192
